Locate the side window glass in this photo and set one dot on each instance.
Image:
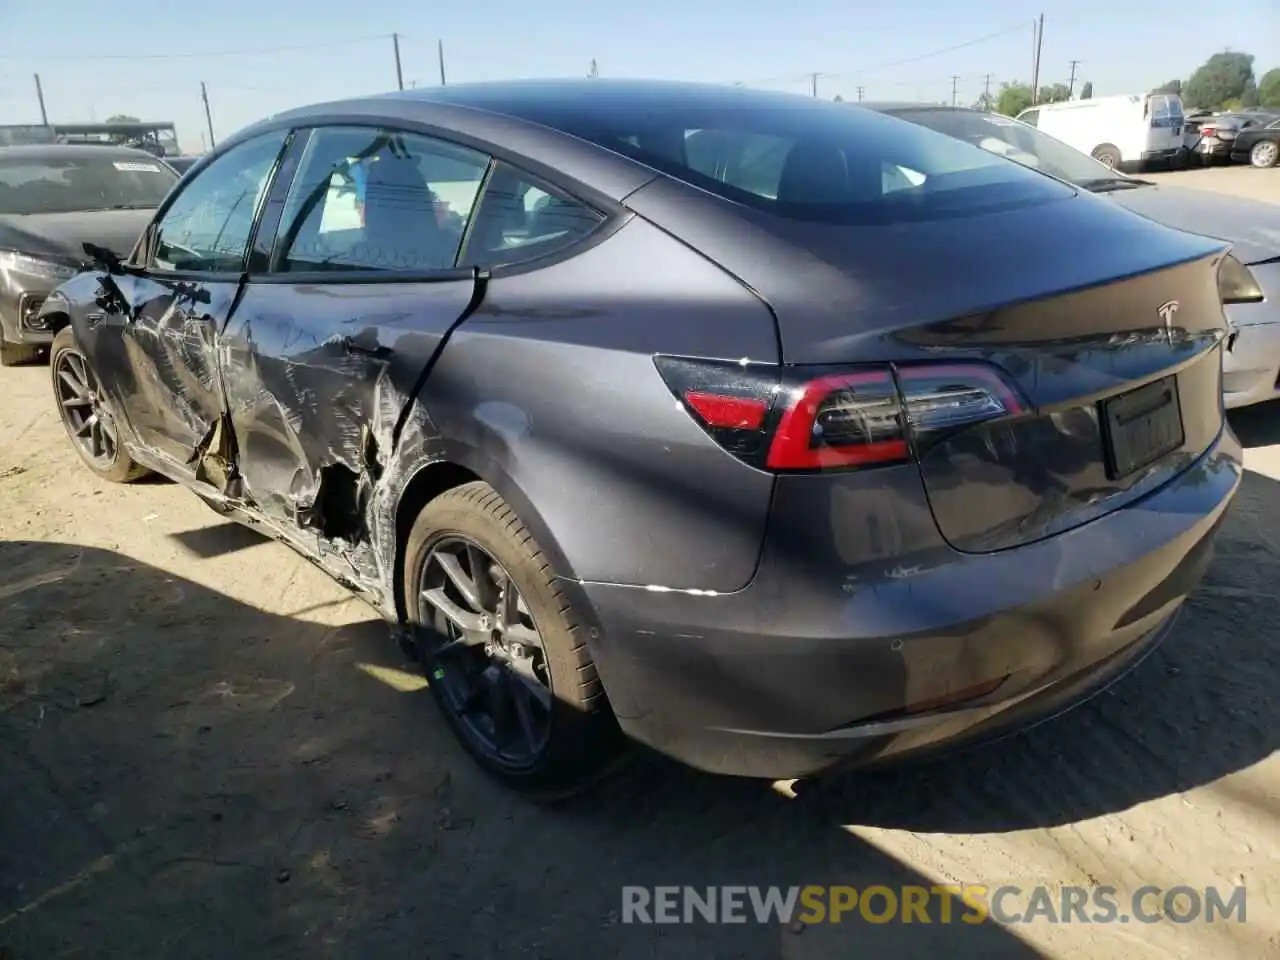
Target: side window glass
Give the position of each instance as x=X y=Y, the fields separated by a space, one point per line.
x=1031 y=118
x=207 y=226
x=378 y=200
x=519 y=220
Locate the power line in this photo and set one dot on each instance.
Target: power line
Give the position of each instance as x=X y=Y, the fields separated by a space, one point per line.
x=808 y=77
x=933 y=53
x=199 y=54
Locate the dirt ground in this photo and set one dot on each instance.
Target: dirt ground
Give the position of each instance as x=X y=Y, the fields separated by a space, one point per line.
x=207 y=749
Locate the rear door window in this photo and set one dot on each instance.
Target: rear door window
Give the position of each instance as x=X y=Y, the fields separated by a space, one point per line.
x=378 y=200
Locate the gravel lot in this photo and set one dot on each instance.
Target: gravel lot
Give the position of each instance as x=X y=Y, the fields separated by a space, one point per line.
x=207 y=749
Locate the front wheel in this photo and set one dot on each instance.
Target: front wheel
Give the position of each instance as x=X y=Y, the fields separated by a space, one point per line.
x=1107 y=154
x=90 y=423
x=1264 y=154
x=503 y=646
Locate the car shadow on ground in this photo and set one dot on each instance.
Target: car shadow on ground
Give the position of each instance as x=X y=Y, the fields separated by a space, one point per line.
x=188 y=775
x=1257 y=425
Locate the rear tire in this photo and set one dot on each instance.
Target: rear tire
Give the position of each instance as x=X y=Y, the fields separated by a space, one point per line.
x=16 y=354
x=1107 y=154
x=468 y=529
x=112 y=462
x=1265 y=153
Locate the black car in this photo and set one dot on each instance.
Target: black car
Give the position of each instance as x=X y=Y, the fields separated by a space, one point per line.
x=773 y=432
x=1259 y=143
x=53 y=200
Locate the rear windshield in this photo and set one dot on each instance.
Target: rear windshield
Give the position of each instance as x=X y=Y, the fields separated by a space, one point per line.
x=807 y=160
x=1016 y=141
x=69 y=184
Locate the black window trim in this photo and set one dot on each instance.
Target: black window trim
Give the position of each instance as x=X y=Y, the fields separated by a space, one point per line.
x=613 y=215
x=143 y=247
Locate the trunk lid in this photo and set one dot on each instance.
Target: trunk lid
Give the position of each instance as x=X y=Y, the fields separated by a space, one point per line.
x=1108 y=325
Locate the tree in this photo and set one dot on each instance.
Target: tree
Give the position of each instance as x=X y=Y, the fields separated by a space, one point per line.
x=1013 y=98
x=1086 y=92
x=1249 y=98
x=122 y=118
x=1269 y=89
x=1169 y=86
x=985 y=102
x=838 y=98
x=1056 y=93
x=1223 y=77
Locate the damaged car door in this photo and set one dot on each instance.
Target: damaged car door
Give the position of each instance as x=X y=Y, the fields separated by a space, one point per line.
x=173 y=304
x=336 y=329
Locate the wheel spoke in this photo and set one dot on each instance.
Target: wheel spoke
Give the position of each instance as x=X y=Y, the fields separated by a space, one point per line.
x=77 y=401
x=458 y=577
x=95 y=437
x=520 y=696
x=486 y=588
x=69 y=378
x=536 y=690
x=465 y=620
x=519 y=633
x=86 y=427
x=81 y=370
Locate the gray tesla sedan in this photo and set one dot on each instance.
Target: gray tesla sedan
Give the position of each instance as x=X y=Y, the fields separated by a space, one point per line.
x=770 y=432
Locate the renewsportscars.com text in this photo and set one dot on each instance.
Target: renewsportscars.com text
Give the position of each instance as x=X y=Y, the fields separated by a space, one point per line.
x=941 y=903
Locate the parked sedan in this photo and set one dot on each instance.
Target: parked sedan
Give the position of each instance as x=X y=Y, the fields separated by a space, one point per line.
x=53 y=199
x=1259 y=144
x=771 y=432
x=1250 y=276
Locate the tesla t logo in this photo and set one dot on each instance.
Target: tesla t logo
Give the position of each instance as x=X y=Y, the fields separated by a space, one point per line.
x=1167 y=311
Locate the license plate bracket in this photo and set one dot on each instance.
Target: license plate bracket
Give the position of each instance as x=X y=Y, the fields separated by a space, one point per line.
x=1141 y=426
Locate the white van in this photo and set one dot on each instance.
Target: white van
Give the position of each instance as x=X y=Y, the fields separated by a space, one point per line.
x=1134 y=129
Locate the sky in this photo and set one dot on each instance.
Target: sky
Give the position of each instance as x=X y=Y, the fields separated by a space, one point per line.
x=147 y=58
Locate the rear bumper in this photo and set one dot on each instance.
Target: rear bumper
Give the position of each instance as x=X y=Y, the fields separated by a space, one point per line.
x=790 y=676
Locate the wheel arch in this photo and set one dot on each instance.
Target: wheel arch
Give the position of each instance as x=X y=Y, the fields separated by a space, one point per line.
x=454 y=465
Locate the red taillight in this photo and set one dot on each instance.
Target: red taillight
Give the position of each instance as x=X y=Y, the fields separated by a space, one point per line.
x=840 y=420
x=728 y=413
x=789 y=419
x=1208 y=131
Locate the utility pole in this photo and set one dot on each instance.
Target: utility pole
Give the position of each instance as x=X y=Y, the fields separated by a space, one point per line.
x=954 y=80
x=813 y=81
x=986 y=92
x=44 y=116
x=594 y=72
x=861 y=91
x=208 y=117
x=1071 y=84
x=440 y=57
x=1035 y=61
x=395 y=44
